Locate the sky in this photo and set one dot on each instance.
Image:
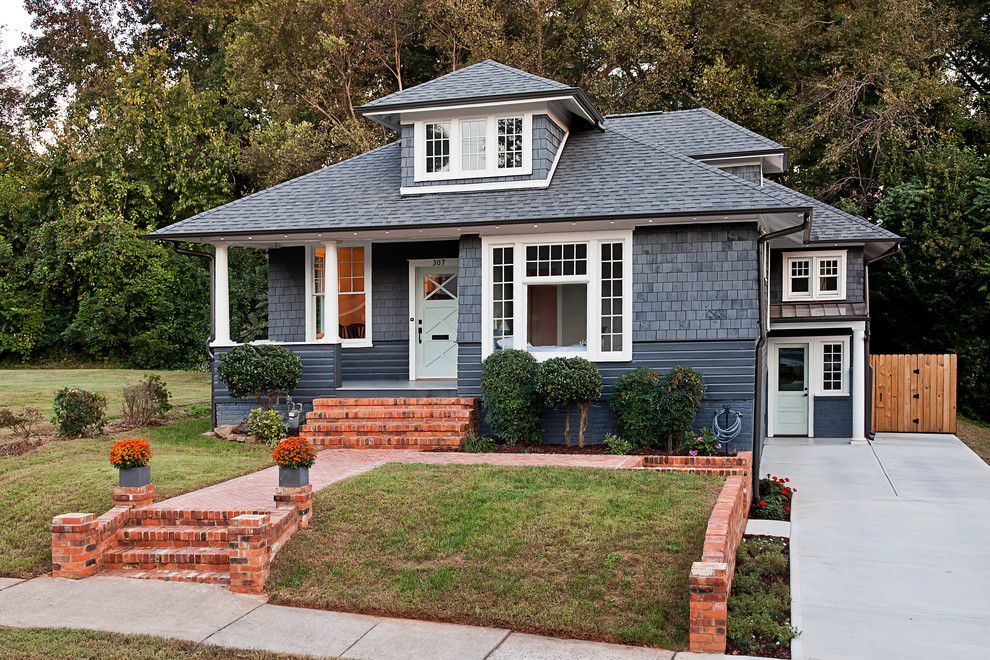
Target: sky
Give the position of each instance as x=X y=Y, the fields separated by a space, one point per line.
x=16 y=20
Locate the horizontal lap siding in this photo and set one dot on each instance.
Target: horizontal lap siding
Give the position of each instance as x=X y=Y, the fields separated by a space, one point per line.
x=386 y=360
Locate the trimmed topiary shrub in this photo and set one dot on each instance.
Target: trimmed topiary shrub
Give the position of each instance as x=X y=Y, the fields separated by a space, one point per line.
x=511 y=401
x=78 y=412
x=633 y=405
x=679 y=393
x=568 y=382
x=264 y=371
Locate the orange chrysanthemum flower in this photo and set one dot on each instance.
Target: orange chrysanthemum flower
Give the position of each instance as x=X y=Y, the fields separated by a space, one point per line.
x=294 y=453
x=130 y=453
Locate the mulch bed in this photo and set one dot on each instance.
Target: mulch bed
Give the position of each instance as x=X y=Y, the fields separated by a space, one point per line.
x=599 y=450
x=20 y=447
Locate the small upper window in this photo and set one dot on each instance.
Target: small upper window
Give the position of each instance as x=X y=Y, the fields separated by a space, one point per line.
x=811 y=276
x=438 y=147
x=473 y=145
x=510 y=143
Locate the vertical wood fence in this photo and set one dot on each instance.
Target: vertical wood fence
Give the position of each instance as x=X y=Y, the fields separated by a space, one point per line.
x=914 y=393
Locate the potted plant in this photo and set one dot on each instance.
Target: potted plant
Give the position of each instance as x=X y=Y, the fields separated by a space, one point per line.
x=294 y=457
x=131 y=458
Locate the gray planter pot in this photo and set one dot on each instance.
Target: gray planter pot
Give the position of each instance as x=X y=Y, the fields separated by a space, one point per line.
x=135 y=477
x=293 y=477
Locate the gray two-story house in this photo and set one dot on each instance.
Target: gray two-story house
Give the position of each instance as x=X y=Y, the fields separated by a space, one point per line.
x=511 y=214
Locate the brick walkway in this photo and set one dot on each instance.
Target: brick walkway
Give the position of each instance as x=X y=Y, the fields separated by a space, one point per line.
x=254 y=491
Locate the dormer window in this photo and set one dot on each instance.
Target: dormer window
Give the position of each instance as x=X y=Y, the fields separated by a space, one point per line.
x=462 y=148
x=814 y=276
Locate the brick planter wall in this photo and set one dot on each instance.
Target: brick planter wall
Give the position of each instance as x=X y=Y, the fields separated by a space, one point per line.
x=722 y=465
x=711 y=578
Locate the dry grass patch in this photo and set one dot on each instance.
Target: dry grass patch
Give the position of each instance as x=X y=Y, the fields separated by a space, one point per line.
x=45 y=643
x=66 y=476
x=976 y=435
x=573 y=552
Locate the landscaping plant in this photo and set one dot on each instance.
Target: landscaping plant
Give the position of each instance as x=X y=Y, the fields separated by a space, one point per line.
x=679 y=394
x=130 y=453
x=141 y=403
x=21 y=424
x=775 y=499
x=267 y=425
x=476 y=444
x=633 y=405
x=264 y=371
x=617 y=445
x=568 y=382
x=760 y=602
x=78 y=412
x=510 y=398
x=160 y=393
x=705 y=444
x=294 y=453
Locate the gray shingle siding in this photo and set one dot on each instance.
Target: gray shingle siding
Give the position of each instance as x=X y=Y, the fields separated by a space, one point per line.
x=390 y=284
x=692 y=283
x=469 y=290
x=833 y=417
x=287 y=294
x=319 y=378
x=546 y=140
x=855 y=275
x=751 y=173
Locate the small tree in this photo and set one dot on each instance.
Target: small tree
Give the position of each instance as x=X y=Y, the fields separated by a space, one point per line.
x=264 y=371
x=78 y=412
x=633 y=403
x=679 y=394
x=508 y=391
x=570 y=382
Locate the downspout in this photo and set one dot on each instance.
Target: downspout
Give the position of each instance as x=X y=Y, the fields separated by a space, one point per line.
x=209 y=342
x=896 y=249
x=762 y=254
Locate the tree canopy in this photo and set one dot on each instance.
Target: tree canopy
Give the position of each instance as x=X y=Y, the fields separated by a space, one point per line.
x=143 y=112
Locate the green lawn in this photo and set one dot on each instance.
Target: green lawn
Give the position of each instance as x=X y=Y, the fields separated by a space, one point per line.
x=45 y=643
x=34 y=387
x=976 y=435
x=574 y=552
x=75 y=476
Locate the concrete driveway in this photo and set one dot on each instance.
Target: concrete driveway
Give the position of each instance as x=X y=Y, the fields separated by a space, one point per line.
x=890 y=546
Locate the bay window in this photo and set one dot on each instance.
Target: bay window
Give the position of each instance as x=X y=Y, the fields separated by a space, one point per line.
x=557 y=295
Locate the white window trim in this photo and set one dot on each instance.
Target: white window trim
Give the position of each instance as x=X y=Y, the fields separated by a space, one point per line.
x=816 y=374
x=366 y=342
x=491 y=148
x=815 y=293
x=817 y=366
x=593 y=279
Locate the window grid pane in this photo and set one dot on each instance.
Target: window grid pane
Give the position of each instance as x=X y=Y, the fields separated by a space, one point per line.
x=828 y=275
x=832 y=367
x=611 y=297
x=556 y=259
x=510 y=142
x=801 y=276
x=502 y=312
x=473 y=145
x=438 y=147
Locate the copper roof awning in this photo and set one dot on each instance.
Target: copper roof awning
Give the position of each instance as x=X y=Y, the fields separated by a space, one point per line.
x=817 y=311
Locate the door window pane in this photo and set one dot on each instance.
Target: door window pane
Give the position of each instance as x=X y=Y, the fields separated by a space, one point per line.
x=790 y=369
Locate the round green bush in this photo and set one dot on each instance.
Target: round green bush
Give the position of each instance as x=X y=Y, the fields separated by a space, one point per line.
x=567 y=382
x=264 y=371
x=679 y=393
x=510 y=398
x=633 y=405
x=78 y=412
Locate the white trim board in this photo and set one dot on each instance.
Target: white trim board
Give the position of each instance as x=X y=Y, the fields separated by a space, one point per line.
x=815 y=373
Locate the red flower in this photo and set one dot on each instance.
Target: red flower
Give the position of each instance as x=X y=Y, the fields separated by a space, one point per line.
x=787 y=508
x=763 y=503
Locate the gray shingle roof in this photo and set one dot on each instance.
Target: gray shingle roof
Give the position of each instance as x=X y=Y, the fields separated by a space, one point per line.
x=696 y=132
x=830 y=224
x=487 y=78
x=600 y=174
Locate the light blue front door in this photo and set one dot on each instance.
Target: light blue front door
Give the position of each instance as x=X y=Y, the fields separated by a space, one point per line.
x=436 y=320
x=791 y=391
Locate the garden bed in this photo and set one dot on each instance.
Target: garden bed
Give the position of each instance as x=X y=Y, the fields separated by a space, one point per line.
x=596 y=449
x=760 y=602
x=572 y=552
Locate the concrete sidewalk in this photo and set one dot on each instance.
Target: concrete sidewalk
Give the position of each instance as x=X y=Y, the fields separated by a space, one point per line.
x=214 y=615
x=890 y=547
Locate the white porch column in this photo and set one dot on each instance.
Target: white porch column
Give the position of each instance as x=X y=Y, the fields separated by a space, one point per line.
x=331 y=287
x=221 y=298
x=858 y=390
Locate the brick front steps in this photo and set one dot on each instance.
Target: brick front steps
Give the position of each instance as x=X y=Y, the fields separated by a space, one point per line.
x=390 y=423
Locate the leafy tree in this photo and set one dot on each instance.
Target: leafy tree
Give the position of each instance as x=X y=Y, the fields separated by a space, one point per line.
x=264 y=371
x=568 y=382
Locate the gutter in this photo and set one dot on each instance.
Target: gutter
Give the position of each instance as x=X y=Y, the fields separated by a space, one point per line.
x=894 y=250
x=761 y=342
x=209 y=342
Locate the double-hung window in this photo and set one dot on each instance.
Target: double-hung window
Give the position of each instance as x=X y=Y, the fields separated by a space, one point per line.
x=814 y=276
x=559 y=295
x=473 y=147
x=353 y=293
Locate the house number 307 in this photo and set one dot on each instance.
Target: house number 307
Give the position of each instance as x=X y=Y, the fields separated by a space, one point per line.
x=439 y=262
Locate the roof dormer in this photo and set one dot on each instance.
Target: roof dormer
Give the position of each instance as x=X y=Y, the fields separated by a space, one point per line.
x=485 y=127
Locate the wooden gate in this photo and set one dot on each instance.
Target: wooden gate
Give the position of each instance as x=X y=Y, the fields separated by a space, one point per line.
x=914 y=393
